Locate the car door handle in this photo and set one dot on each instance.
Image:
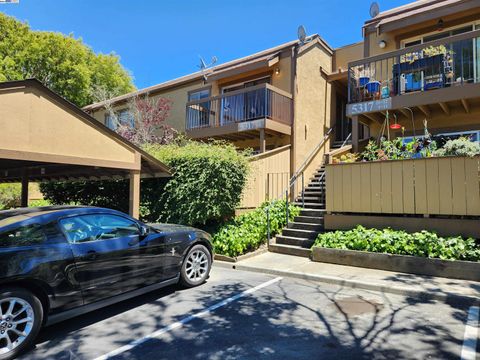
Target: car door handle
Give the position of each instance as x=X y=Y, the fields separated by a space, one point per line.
x=91 y=255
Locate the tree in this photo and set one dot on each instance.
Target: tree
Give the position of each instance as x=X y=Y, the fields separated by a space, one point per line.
x=64 y=64
x=148 y=127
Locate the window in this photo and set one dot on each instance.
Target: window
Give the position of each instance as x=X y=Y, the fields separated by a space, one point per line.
x=199 y=94
x=84 y=228
x=23 y=236
x=124 y=117
x=198 y=113
x=442 y=138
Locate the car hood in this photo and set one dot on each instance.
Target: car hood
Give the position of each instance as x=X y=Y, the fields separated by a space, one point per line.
x=172 y=227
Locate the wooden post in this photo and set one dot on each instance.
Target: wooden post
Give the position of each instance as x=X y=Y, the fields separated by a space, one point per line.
x=134 y=200
x=24 y=198
x=355 y=134
x=262 y=141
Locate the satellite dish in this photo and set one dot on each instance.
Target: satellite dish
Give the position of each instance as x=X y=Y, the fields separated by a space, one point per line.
x=204 y=66
x=302 y=34
x=374 y=9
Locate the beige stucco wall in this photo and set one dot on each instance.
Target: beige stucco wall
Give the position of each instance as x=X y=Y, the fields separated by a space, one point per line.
x=342 y=56
x=312 y=106
x=33 y=122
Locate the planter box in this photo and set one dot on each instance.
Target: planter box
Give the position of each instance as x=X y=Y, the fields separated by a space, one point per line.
x=262 y=249
x=465 y=270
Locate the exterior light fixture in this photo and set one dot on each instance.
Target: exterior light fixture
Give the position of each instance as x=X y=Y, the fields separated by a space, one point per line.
x=382 y=44
x=440 y=25
x=277 y=71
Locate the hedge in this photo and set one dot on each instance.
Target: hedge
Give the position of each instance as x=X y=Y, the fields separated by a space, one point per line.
x=9 y=196
x=423 y=243
x=248 y=231
x=207 y=183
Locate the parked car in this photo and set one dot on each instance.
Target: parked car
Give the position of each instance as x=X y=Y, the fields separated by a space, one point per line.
x=60 y=262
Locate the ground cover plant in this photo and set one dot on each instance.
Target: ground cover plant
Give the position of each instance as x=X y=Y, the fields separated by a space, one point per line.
x=248 y=231
x=423 y=243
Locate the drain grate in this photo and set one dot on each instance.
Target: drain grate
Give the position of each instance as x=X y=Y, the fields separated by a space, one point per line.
x=356 y=305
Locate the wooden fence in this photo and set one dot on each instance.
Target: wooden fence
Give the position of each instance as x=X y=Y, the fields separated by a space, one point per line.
x=431 y=186
x=269 y=176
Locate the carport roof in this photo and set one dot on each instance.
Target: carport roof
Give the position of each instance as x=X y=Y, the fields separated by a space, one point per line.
x=50 y=138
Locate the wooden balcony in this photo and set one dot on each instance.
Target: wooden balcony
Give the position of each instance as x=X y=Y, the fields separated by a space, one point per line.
x=436 y=76
x=241 y=114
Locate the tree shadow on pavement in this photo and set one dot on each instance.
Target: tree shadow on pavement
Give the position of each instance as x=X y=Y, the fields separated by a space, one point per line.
x=309 y=323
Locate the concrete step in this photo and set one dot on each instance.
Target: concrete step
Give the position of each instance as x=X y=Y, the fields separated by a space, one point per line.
x=309 y=219
x=314 y=192
x=294 y=241
x=315 y=188
x=290 y=250
x=308 y=198
x=310 y=205
x=312 y=212
x=303 y=234
x=305 y=226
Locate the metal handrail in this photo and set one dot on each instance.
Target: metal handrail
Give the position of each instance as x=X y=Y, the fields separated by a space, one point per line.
x=343 y=144
x=293 y=181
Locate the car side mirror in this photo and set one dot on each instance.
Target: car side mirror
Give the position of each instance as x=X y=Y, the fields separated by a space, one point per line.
x=144 y=231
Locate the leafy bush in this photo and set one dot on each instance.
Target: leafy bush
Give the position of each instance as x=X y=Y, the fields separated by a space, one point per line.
x=396 y=149
x=207 y=183
x=459 y=147
x=248 y=231
x=9 y=196
x=423 y=243
x=206 y=186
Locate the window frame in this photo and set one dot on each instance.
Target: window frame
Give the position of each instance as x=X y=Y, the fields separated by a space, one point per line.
x=208 y=88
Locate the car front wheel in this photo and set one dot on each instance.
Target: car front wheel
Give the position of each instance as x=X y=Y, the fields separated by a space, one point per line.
x=21 y=315
x=196 y=266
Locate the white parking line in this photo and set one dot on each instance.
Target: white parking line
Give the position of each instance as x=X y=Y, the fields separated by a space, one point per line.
x=471 y=334
x=182 y=322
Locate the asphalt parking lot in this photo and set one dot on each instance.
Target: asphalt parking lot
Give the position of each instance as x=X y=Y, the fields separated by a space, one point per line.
x=245 y=315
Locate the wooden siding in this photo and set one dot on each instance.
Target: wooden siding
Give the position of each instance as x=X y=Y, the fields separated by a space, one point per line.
x=268 y=178
x=433 y=186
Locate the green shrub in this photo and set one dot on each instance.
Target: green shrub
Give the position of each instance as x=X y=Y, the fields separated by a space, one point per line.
x=38 y=203
x=9 y=196
x=207 y=183
x=459 y=147
x=248 y=231
x=206 y=186
x=423 y=243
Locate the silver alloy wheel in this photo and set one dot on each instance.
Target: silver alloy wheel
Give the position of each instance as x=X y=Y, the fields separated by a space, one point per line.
x=16 y=323
x=197 y=266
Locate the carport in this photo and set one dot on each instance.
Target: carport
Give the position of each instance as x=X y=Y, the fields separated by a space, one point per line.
x=44 y=137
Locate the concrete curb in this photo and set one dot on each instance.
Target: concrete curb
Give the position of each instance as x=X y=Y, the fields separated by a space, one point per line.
x=445 y=297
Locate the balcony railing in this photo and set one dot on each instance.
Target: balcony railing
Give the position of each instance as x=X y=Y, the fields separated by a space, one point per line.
x=442 y=63
x=256 y=102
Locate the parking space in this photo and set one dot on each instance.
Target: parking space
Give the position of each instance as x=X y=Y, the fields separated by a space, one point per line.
x=244 y=315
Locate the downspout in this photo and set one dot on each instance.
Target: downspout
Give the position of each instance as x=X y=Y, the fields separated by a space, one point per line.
x=293 y=84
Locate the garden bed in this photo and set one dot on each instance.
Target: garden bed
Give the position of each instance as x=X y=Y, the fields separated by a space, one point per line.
x=455 y=269
x=422 y=252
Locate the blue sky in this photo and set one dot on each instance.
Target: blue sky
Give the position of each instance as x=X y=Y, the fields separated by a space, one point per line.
x=158 y=40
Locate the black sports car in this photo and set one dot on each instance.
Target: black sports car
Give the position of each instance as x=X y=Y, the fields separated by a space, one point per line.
x=60 y=262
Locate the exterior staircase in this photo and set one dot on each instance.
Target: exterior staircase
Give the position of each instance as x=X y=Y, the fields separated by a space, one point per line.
x=298 y=237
